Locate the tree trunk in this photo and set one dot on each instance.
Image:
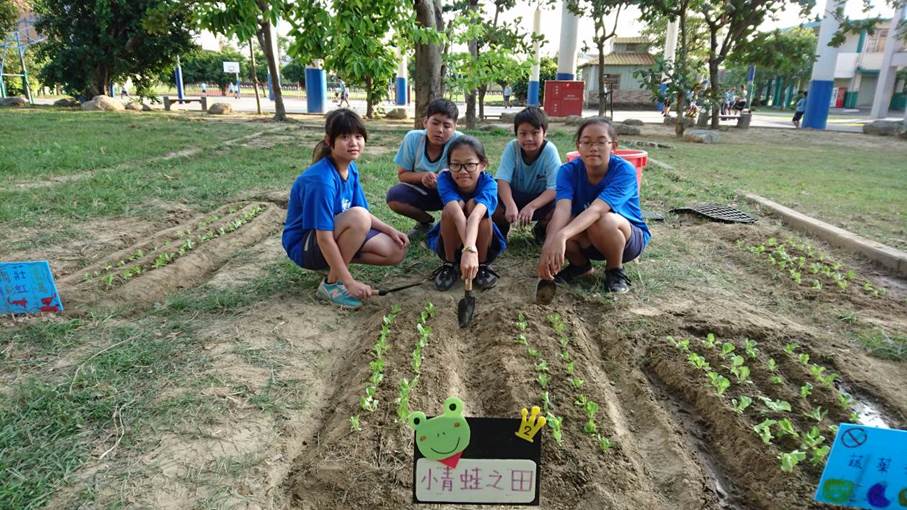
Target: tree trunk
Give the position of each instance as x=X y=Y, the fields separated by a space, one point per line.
x=713 y=74
x=471 y=94
x=280 y=113
x=428 y=58
x=679 y=126
x=254 y=78
x=482 y=91
x=369 y=94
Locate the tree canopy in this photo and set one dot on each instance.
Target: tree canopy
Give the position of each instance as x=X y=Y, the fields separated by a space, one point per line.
x=8 y=16
x=94 y=43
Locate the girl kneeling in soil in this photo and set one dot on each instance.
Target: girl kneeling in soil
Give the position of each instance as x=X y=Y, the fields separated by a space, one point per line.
x=328 y=223
x=597 y=215
x=466 y=233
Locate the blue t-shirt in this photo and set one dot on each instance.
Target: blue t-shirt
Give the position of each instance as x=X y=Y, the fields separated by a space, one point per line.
x=411 y=155
x=486 y=193
x=618 y=189
x=531 y=179
x=318 y=195
x=801 y=105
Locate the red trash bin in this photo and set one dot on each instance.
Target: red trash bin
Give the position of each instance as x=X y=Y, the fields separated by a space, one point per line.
x=635 y=157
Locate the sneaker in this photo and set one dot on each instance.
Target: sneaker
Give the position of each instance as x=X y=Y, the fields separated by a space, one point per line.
x=446 y=276
x=538 y=233
x=336 y=293
x=420 y=230
x=617 y=281
x=571 y=273
x=486 y=278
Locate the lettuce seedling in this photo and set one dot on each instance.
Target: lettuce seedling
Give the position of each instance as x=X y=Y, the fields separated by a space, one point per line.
x=845 y=401
x=720 y=382
x=699 y=362
x=790 y=460
x=771 y=365
x=819 y=455
x=786 y=428
x=776 y=406
x=354 y=423
x=764 y=429
x=776 y=379
x=741 y=406
x=569 y=368
x=543 y=380
x=813 y=438
x=806 y=390
x=817 y=414
x=750 y=347
x=576 y=382
x=555 y=423
x=742 y=373
x=710 y=341
x=790 y=348
x=727 y=348
x=604 y=444
x=803 y=358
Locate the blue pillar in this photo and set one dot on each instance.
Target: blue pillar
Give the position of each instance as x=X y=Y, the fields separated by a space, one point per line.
x=823 y=75
x=316 y=90
x=400 y=88
x=178 y=74
x=532 y=95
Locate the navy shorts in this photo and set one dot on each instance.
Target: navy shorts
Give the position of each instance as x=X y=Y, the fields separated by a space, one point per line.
x=632 y=249
x=522 y=199
x=798 y=116
x=416 y=195
x=311 y=255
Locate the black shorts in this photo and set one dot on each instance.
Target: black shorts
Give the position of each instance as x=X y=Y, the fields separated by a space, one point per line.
x=632 y=249
x=798 y=116
x=311 y=256
x=416 y=195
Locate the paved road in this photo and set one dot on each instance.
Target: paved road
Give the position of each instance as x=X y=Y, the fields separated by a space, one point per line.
x=839 y=120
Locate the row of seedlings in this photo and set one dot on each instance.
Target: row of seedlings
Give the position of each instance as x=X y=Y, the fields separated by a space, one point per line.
x=407 y=385
x=589 y=407
x=542 y=377
x=805 y=266
x=140 y=261
x=368 y=401
x=776 y=418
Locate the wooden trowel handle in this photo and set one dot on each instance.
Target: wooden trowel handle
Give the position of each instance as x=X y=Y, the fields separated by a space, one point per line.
x=468 y=285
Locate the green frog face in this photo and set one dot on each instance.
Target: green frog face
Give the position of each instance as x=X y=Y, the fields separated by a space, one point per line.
x=444 y=435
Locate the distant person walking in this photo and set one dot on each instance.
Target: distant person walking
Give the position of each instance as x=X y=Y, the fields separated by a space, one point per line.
x=236 y=91
x=507 y=93
x=344 y=95
x=204 y=87
x=799 y=110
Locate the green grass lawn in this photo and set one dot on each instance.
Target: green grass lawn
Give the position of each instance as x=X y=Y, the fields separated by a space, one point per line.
x=62 y=414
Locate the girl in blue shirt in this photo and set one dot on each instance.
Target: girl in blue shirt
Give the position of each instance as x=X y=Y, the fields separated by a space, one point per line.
x=328 y=224
x=466 y=232
x=597 y=214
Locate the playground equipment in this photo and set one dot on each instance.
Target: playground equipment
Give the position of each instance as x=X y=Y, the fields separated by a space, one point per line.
x=12 y=40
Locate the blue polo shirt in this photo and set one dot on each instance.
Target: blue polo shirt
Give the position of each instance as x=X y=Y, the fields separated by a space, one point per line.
x=412 y=153
x=486 y=193
x=618 y=189
x=318 y=195
x=532 y=178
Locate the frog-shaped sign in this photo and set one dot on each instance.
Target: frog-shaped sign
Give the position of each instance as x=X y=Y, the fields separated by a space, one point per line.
x=444 y=437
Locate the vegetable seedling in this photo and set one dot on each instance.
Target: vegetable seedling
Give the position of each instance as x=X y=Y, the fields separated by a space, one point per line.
x=806 y=390
x=776 y=406
x=555 y=423
x=749 y=346
x=786 y=428
x=726 y=349
x=790 y=460
x=354 y=423
x=709 y=341
x=817 y=414
x=819 y=455
x=741 y=406
x=764 y=430
x=719 y=382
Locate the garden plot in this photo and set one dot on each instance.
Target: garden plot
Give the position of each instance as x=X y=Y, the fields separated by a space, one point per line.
x=173 y=259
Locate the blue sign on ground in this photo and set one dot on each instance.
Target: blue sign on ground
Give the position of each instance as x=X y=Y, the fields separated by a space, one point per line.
x=867 y=468
x=28 y=287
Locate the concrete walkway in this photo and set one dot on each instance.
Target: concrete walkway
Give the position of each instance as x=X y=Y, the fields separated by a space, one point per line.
x=839 y=119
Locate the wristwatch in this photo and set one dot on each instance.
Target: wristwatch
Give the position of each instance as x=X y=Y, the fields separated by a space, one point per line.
x=470 y=249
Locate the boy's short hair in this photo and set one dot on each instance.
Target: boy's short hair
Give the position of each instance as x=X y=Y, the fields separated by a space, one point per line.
x=444 y=107
x=533 y=116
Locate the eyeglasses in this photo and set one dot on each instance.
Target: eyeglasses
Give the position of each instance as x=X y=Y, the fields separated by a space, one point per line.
x=464 y=167
x=594 y=145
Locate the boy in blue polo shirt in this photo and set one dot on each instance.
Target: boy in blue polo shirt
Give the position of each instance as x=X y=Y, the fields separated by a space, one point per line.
x=466 y=233
x=422 y=155
x=527 y=175
x=597 y=216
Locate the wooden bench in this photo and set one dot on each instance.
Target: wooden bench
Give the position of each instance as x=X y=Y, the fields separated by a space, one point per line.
x=202 y=100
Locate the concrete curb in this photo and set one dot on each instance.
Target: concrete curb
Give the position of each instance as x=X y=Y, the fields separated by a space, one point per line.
x=884 y=255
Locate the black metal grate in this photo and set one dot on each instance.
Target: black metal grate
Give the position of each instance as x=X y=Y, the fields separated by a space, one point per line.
x=717 y=212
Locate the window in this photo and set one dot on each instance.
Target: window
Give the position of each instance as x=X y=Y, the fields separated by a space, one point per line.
x=876 y=41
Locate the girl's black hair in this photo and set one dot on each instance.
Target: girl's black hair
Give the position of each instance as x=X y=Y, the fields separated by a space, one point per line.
x=471 y=142
x=341 y=121
x=612 y=134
